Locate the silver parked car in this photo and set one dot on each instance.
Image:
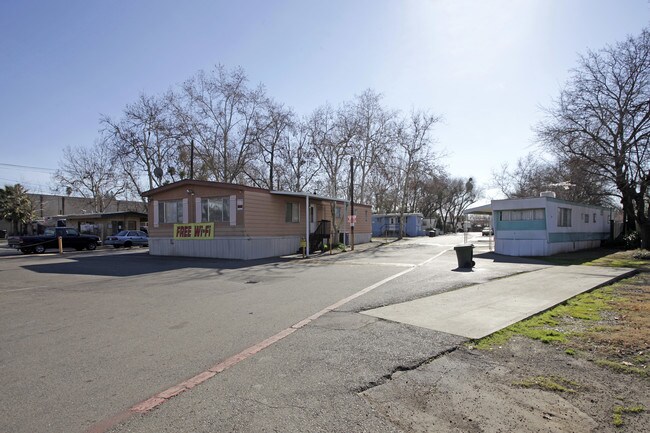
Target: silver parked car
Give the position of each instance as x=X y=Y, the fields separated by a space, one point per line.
x=128 y=238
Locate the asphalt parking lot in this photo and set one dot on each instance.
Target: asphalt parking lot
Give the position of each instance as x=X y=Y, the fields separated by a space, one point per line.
x=92 y=334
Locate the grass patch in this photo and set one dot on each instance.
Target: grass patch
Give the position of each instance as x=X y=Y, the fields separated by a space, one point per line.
x=570 y=352
x=617 y=417
x=551 y=383
x=545 y=326
x=529 y=328
x=619 y=263
x=622 y=368
x=638 y=259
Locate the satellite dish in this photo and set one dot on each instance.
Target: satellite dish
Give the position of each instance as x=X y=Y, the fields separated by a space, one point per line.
x=158 y=172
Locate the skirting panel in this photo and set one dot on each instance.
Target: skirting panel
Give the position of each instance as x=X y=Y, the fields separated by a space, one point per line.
x=240 y=248
x=533 y=247
x=362 y=238
x=226 y=248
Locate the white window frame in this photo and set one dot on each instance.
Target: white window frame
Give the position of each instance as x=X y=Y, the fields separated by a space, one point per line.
x=563 y=217
x=292 y=212
x=522 y=215
x=219 y=201
x=164 y=211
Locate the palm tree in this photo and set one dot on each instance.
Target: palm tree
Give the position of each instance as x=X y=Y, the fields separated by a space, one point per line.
x=16 y=207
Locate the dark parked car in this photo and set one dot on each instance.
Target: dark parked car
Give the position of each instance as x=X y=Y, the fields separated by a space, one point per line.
x=128 y=238
x=70 y=238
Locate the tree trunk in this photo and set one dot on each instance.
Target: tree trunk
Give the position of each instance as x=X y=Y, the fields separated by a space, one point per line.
x=645 y=236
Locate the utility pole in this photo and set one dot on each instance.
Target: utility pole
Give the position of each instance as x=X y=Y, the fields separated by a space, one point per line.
x=352 y=219
x=192 y=160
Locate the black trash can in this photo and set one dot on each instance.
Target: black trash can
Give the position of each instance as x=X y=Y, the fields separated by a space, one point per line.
x=432 y=233
x=465 y=255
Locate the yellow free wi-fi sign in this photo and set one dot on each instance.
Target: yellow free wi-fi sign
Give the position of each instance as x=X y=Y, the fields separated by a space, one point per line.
x=194 y=231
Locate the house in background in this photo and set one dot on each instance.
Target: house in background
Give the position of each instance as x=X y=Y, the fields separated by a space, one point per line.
x=389 y=224
x=107 y=223
x=221 y=220
x=544 y=226
x=48 y=209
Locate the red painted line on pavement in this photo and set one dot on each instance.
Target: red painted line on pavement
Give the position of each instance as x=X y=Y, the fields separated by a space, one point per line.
x=147 y=405
x=171 y=392
x=108 y=423
x=198 y=379
x=164 y=396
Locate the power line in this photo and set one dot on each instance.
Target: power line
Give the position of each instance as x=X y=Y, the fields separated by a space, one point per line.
x=23 y=167
x=33 y=186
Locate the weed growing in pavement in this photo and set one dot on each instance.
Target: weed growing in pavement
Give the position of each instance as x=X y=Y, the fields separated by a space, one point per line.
x=617 y=417
x=551 y=383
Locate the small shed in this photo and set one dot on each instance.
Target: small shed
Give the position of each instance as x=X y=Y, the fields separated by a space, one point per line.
x=544 y=226
x=221 y=220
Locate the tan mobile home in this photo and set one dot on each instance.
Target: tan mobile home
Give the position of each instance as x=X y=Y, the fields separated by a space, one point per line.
x=221 y=220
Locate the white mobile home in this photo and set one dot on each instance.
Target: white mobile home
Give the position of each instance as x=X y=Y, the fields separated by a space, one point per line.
x=544 y=226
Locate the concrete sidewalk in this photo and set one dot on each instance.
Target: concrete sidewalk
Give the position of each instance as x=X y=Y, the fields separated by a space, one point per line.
x=482 y=309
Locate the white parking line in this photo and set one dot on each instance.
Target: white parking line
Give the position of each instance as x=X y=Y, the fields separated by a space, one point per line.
x=23 y=289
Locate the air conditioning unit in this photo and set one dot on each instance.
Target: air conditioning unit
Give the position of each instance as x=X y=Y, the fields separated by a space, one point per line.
x=547 y=194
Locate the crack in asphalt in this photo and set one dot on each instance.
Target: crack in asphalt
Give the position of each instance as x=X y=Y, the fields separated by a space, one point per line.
x=402 y=368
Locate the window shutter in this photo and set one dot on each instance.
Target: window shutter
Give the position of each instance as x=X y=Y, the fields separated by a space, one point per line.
x=155 y=213
x=233 y=210
x=186 y=208
x=198 y=216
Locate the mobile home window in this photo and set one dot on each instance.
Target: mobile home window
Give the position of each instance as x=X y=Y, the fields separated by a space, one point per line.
x=587 y=218
x=522 y=215
x=563 y=217
x=215 y=209
x=292 y=214
x=170 y=211
x=594 y=217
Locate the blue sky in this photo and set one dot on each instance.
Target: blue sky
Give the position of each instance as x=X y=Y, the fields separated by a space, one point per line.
x=485 y=66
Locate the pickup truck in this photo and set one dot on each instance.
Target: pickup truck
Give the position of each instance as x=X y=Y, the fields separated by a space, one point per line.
x=49 y=239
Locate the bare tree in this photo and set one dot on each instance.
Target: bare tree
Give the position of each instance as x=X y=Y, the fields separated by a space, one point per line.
x=142 y=140
x=298 y=162
x=89 y=172
x=372 y=130
x=272 y=128
x=330 y=135
x=414 y=155
x=569 y=178
x=220 y=113
x=603 y=118
x=330 y=138
x=527 y=179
